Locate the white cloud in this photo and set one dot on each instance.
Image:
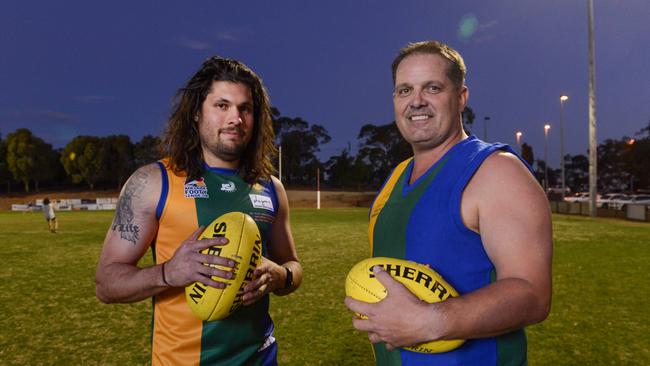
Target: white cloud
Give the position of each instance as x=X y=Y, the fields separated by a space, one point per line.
x=192 y=44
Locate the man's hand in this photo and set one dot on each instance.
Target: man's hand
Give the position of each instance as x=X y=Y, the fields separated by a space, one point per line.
x=399 y=320
x=268 y=277
x=187 y=264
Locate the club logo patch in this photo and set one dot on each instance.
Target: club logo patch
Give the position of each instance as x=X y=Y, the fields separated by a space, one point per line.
x=228 y=187
x=196 y=189
x=260 y=201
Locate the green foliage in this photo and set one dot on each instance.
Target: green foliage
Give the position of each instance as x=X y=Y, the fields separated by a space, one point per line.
x=527 y=153
x=146 y=151
x=577 y=173
x=28 y=156
x=381 y=148
x=5 y=174
x=468 y=117
x=83 y=158
x=300 y=142
x=50 y=315
x=118 y=159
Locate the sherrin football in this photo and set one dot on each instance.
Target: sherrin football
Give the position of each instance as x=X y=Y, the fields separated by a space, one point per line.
x=245 y=247
x=421 y=280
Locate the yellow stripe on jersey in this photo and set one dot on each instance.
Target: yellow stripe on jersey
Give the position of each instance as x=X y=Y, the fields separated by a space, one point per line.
x=382 y=198
x=177 y=332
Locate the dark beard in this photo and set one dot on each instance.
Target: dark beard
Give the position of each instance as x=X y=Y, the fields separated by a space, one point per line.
x=229 y=153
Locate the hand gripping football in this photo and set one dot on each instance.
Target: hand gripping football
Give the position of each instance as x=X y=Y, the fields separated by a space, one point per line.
x=245 y=247
x=421 y=280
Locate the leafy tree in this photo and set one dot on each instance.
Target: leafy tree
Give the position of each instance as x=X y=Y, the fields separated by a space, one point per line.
x=118 y=159
x=527 y=154
x=644 y=131
x=83 y=159
x=147 y=150
x=639 y=158
x=340 y=169
x=300 y=142
x=468 y=119
x=47 y=161
x=381 y=148
x=613 y=172
x=5 y=174
x=23 y=149
x=577 y=173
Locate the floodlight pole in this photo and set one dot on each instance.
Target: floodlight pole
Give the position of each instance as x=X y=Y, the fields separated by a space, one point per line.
x=563 y=98
x=593 y=147
x=546 y=128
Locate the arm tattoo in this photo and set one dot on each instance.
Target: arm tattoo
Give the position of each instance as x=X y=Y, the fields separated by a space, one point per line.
x=124 y=217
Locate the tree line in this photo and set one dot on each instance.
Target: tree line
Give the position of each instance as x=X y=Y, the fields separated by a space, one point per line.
x=106 y=162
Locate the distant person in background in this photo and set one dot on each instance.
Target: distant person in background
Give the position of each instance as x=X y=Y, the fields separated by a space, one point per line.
x=219 y=143
x=48 y=211
x=469 y=209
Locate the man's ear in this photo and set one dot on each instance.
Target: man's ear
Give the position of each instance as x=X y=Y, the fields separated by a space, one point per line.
x=462 y=98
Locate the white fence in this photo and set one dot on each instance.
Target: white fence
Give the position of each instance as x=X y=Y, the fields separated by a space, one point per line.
x=634 y=212
x=70 y=204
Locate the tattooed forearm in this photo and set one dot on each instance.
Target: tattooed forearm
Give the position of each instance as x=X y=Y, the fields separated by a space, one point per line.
x=124 y=217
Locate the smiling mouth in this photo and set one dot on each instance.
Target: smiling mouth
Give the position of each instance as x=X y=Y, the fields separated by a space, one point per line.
x=419 y=117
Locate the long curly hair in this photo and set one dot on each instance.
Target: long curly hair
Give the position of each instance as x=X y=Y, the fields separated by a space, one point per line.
x=181 y=140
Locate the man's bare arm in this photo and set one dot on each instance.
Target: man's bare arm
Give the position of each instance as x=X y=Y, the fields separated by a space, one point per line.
x=118 y=278
x=506 y=205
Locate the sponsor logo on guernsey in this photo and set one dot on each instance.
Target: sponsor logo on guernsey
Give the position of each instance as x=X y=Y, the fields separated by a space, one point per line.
x=260 y=201
x=228 y=187
x=196 y=189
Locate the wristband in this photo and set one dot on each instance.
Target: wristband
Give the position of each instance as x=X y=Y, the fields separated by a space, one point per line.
x=288 y=282
x=163 y=275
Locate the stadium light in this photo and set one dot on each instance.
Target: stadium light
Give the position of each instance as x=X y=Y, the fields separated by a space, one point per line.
x=563 y=98
x=547 y=127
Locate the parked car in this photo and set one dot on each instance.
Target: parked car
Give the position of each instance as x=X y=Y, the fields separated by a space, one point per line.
x=635 y=199
x=610 y=200
x=580 y=197
x=577 y=197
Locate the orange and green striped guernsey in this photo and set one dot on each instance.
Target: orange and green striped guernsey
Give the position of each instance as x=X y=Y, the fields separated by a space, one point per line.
x=421 y=222
x=178 y=337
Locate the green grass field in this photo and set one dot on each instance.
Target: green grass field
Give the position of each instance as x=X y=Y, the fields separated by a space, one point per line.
x=50 y=316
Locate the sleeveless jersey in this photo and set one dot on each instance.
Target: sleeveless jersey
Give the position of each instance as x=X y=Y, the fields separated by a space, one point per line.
x=422 y=222
x=179 y=337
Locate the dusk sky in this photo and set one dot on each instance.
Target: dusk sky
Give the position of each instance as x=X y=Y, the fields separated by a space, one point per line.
x=102 y=68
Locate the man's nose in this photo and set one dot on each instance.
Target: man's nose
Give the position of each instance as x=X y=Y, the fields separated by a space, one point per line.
x=236 y=117
x=417 y=101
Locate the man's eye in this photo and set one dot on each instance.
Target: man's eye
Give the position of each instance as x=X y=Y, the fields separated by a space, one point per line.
x=245 y=109
x=222 y=106
x=433 y=89
x=403 y=92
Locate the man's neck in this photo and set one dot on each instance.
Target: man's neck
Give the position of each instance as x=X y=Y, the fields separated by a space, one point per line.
x=423 y=159
x=215 y=162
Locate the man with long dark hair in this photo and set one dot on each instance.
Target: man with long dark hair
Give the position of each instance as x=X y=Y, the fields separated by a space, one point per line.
x=219 y=148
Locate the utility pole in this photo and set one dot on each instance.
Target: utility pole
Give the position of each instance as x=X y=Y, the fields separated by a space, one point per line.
x=593 y=150
x=563 y=98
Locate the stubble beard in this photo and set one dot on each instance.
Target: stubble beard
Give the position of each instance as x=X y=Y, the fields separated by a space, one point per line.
x=228 y=151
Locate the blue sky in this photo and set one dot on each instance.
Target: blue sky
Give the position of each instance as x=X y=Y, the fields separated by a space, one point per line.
x=71 y=68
